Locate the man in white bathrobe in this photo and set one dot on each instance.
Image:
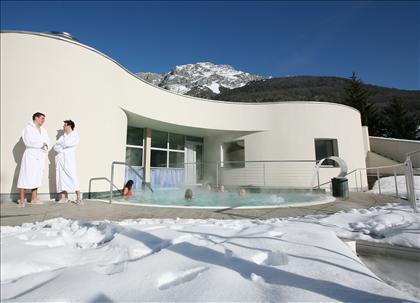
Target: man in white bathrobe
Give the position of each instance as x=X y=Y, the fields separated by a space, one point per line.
x=36 y=140
x=65 y=162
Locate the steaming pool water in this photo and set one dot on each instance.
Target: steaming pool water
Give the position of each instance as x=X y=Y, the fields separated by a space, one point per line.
x=204 y=199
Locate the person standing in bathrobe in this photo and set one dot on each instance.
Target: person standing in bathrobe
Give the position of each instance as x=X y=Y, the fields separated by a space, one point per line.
x=65 y=162
x=35 y=138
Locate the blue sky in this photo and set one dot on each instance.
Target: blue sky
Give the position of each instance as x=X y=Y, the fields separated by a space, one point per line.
x=379 y=40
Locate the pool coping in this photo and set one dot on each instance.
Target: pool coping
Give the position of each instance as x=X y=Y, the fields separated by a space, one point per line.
x=329 y=199
x=95 y=210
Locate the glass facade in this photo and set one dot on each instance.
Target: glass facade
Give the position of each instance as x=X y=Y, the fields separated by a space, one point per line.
x=167 y=156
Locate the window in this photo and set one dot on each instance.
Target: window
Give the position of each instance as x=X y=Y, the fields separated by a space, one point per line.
x=326 y=148
x=234 y=151
x=176 y=141
x=134 y=136
x=167 y=150
x=134 y=156
x=159 y=139
x=158 y=158
x=134 y=148
x=176 y=159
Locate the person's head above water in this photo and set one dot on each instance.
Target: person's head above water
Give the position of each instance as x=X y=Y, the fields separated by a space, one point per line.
x=188 y=194
x=222 y=188
x=129 y=184
x=242 y=192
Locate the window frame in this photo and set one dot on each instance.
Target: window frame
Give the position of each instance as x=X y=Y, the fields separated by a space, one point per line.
x=335 y=151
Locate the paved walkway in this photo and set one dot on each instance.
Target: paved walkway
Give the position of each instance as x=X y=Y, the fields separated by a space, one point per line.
x=97 y=210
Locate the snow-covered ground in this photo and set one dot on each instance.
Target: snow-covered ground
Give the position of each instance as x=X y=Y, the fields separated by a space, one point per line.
x=295 y=259
x=387 y=185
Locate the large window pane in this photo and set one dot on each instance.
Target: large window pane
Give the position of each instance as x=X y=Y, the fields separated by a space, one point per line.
x=134 y=156
x=134 y=136
x=176 y=159
x=234 y=151
x=158 y=158
x=159 y=139
x=176 y=141
x=326 y=148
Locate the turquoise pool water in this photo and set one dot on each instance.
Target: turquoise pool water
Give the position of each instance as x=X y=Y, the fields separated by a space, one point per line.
x=202 y=198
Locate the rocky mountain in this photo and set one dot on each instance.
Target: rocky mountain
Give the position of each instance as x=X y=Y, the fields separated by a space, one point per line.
x=203 y=79
x=153 y=78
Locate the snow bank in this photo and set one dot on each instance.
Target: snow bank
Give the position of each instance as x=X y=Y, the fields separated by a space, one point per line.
x=392 y=224
x=388 y=186
x=201 y=260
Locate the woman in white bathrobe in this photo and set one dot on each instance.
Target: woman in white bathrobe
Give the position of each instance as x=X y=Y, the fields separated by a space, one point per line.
x=31 y=171
x=65 y=162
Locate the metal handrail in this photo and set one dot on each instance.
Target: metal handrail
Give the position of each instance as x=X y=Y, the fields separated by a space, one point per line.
x=100 y=178
x=251 y=161
x=132 y=168
x=328 y=182
x=412 y=153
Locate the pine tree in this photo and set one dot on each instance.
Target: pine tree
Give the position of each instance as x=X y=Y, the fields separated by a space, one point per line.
x=399 y=123
x=357 y=96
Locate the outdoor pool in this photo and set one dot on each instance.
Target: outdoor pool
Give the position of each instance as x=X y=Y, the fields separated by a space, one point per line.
x=255 y=198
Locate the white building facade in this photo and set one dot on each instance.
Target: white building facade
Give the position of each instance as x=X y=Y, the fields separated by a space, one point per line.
x=171 y=139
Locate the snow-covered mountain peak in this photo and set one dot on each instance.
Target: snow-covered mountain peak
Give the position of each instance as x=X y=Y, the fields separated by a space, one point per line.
x=198 y=78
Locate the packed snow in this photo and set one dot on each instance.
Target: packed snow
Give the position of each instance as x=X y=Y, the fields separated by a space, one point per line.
x=277 y=260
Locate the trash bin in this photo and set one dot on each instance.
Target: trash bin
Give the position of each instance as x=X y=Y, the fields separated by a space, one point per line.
x=340 y=187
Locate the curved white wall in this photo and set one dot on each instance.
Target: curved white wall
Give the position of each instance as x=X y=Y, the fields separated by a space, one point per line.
x=67 y=80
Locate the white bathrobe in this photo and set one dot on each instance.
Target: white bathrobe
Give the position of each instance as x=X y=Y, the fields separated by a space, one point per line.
x=33 y=160
x=65 y=163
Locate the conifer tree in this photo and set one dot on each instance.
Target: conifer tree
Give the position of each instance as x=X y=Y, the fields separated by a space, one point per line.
x=399 y=123
x=357 y=96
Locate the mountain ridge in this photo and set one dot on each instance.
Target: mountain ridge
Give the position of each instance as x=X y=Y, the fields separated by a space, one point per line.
x=224 y=83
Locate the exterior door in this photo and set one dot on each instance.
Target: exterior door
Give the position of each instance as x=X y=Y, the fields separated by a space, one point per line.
x=193 y=163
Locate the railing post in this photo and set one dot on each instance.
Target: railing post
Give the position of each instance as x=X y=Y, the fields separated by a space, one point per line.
x=355 y=179
x=317 y=176
x=379 y=181
x=361 y=180
x=90 y=183
x=395 y=180
x=411 y=193
x=217 y=174
x=112 y=182
x=264 y=172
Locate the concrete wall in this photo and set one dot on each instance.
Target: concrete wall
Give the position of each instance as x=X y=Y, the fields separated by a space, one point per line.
x=67 y=80
x=396 y=149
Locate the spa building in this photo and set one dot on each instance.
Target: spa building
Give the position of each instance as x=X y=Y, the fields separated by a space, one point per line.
x=171 y=140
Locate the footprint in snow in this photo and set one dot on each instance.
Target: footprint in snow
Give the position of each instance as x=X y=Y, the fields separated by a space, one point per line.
x=172 y=279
